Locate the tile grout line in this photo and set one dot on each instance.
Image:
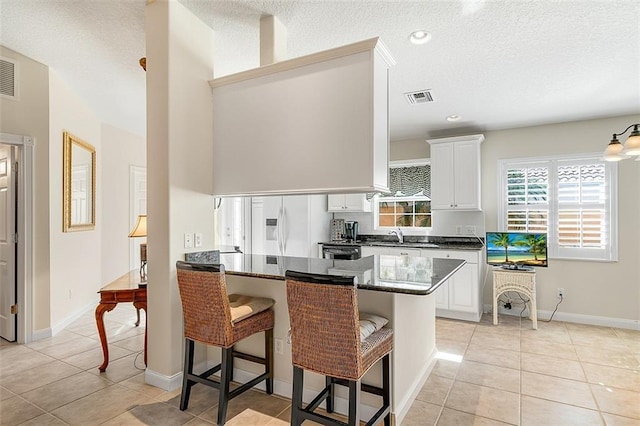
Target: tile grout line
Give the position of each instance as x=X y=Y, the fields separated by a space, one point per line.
x=453 y=380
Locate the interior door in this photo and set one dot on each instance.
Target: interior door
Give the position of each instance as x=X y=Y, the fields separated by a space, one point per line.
x=8 y=201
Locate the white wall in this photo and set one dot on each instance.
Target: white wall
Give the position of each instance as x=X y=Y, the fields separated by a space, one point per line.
x=80 y=261
x=399 y=150
x=409 y=149
x=75 y=256
x=29 y=116
x=179 y=175
x=607 y=289
x=120 y=150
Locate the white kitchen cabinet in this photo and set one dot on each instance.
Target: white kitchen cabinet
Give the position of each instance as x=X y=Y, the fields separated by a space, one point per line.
x=455 y=173
x=370 y=250
x=295 y=120
x=460 y=297
x=348 y=203
x=400 y=251
x=390 y=251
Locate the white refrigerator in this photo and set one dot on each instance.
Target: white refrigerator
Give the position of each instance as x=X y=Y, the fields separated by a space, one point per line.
x=290 y=225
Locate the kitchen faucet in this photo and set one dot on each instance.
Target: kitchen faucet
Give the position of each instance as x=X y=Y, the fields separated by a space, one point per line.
x=398 y=233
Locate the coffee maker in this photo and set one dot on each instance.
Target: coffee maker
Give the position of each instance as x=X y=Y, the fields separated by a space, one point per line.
x=351 y=230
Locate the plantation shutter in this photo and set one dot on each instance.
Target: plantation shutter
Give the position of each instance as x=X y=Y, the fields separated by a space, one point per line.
x=571 y=199
x=527 y=193
x=582 y=199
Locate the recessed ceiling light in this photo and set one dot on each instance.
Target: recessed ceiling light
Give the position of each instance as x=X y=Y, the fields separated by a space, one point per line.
x=419 y=37
x=454 y=118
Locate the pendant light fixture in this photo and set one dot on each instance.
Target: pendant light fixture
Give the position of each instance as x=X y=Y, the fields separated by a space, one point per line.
x=615 y=151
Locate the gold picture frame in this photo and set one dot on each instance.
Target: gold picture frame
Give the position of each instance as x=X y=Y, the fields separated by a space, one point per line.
x=79 y=184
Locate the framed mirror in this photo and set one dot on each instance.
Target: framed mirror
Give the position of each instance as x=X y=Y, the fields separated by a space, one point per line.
x=79 y=184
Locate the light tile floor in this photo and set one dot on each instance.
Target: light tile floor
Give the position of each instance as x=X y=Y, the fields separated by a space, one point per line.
x=560 y=374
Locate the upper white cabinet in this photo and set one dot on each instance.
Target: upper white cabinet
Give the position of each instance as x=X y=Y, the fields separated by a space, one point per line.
x=455 y=173
x=279 y=128
x=348 y=203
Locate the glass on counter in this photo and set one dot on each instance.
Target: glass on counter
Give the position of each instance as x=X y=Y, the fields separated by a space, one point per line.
x=405 y=268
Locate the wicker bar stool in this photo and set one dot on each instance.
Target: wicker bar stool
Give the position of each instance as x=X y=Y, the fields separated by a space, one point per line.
x=214 y=318
x=326 y=339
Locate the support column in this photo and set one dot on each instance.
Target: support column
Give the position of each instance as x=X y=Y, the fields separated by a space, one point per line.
x=179 y=170
x=273 y=40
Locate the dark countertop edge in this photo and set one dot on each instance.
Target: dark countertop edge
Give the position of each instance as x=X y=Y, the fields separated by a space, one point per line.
x=418 y=246
x=255 y=275
x=441 y=246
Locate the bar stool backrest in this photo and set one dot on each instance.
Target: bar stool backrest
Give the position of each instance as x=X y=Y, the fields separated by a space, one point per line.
x=325 y=332
x=205 y=304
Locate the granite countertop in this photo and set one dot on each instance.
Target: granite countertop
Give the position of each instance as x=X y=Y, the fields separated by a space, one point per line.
x=395 y=274
x=412 y=241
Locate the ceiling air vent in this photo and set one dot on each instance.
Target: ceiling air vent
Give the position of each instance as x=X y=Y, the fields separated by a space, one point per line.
x=420 y=97
x=8 y=78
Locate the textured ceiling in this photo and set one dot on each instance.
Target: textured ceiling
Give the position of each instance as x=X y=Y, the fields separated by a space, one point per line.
x=498 y=64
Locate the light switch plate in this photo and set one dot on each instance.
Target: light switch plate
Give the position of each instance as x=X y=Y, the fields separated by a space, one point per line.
x=197 y=238
x=188 y=240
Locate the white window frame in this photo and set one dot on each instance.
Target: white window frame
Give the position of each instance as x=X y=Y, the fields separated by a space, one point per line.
x=377 y=199
x=607 y=254
x=409 y=229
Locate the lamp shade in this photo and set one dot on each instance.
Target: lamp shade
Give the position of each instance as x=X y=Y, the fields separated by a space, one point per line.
x=632 y=145
x=140 y=230
x=613 y=152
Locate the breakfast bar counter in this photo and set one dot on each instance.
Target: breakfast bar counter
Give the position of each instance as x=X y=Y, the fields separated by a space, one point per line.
x=396 y=274
x=398 y=288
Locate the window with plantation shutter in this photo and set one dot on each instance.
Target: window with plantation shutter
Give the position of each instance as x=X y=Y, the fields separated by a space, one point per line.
x=569 y=198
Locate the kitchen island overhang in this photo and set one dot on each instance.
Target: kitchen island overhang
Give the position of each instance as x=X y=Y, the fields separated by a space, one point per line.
x=396 y=287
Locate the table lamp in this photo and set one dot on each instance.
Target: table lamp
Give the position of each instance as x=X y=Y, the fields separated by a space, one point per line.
x=140 y=230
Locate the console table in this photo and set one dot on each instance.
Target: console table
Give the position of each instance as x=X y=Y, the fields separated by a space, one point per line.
x=127 y=288
x=515 y=280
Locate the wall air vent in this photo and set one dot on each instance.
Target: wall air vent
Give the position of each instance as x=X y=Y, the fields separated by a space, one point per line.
x=8 y=79
x=420 y=97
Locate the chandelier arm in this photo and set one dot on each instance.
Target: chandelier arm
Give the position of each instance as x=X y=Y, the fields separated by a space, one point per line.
x=626 y=130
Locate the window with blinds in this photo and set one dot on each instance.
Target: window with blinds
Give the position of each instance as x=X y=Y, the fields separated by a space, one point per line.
x=569 y=198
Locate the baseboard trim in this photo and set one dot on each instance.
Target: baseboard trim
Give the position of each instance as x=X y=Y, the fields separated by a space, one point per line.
x=57 y=328
x=44 y=333
x=402 y=407
x=464 y=316
x=168 y=383
x=575 y=318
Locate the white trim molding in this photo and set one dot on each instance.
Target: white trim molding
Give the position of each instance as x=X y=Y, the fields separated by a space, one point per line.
x=24 y=268
x=576 y=318
x=161 y=381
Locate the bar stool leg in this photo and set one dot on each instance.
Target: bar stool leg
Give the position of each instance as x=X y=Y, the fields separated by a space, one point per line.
x=354 y=402
x=188 y=369
x=225 y=374
x=330 y=396
x=231 y=358
x=268 y=357
x=296 y=399
x=386 y=387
